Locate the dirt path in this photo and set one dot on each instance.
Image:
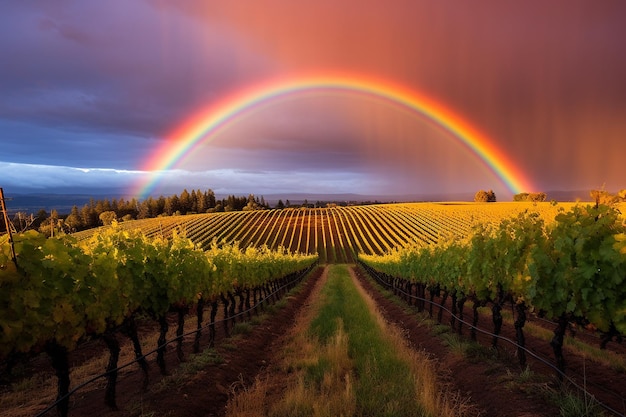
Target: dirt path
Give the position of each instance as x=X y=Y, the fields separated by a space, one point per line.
x=273 y=380
x=482 y=382
x=603 y=381
x=479 y=384
x=259 y=353
x=283 y=378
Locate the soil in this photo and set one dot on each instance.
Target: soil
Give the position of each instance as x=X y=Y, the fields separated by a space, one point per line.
x=205 y=393
x=485 y=382
x=479 y=381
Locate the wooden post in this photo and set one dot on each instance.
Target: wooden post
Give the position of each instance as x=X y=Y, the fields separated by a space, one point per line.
x=7 y=224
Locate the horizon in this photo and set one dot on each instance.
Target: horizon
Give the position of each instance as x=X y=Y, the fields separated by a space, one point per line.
x=31 y=203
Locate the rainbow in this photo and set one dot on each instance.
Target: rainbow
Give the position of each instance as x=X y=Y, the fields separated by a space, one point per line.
x=207 y=123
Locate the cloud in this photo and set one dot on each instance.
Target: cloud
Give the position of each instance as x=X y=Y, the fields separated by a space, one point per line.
x=243 y=182
x=44 y=178
x=102 y=85
x=114 y=67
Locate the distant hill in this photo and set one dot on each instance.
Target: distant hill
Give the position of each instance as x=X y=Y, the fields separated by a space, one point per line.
x=63 y=203
x=298 y=198
x=572 y=196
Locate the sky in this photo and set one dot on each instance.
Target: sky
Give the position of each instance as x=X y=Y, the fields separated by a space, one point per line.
x=90 y=91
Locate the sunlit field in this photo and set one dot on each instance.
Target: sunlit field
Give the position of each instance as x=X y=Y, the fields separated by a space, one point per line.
x=338 y=233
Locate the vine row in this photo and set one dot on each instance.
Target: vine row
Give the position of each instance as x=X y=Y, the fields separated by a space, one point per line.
x=570 y=270
x=56 y=293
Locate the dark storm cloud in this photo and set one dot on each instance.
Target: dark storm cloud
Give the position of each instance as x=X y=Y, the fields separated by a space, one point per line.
x=105 y=84
x=114 y=67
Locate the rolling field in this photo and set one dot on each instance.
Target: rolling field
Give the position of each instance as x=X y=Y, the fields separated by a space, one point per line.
x=338 y=233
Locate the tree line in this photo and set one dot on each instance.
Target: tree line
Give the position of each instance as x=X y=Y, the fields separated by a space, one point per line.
x=98 y=212
x=101 y=212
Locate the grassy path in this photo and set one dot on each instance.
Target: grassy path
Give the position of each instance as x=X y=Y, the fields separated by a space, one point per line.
x=343 y=359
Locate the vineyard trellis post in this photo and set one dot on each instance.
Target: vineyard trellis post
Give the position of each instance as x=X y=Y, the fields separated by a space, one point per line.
x=8 y=226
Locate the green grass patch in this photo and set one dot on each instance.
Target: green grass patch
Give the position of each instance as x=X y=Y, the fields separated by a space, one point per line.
x=570 y=403
x=384 y=385
x=194 y=364
x=256 y=320
x=243 y=328
x=603 y=356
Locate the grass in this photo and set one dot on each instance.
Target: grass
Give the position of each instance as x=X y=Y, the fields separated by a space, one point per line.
x=345 y=316
x=323 y=382
x=344 y=359
x=17 y=400
x=569 y=403
x=182 y=373
x=526 y=381
x=572 y=404
x=575 y=346
x=242 y=328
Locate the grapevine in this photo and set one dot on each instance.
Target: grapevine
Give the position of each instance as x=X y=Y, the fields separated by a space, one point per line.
x=570 y=269
x=60 y=292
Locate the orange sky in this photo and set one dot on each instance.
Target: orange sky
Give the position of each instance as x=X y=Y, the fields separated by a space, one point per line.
x=543 y=79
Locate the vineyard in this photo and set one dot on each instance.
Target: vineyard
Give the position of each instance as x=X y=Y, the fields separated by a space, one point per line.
x=337 y=234
x=564 y=262
x=572 y=271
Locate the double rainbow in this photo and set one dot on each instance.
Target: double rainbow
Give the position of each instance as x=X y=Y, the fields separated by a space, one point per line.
x=207 y=123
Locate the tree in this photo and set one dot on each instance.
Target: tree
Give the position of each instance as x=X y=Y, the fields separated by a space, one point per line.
x=193 y=202
x=535 y=197
x=199 y=201
x=50 y=226
x=280 y=204
x=603 y=197
x=210 y=199
x=483 y=196
x=88 y=214
x=252 y=204
x=538 y=197
x=22 y=221
x=144 y=209
x=41 y=217
x=172 y=205
x=158 y=206
x=74 y=220
x=184 y=202
x=107 y=217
